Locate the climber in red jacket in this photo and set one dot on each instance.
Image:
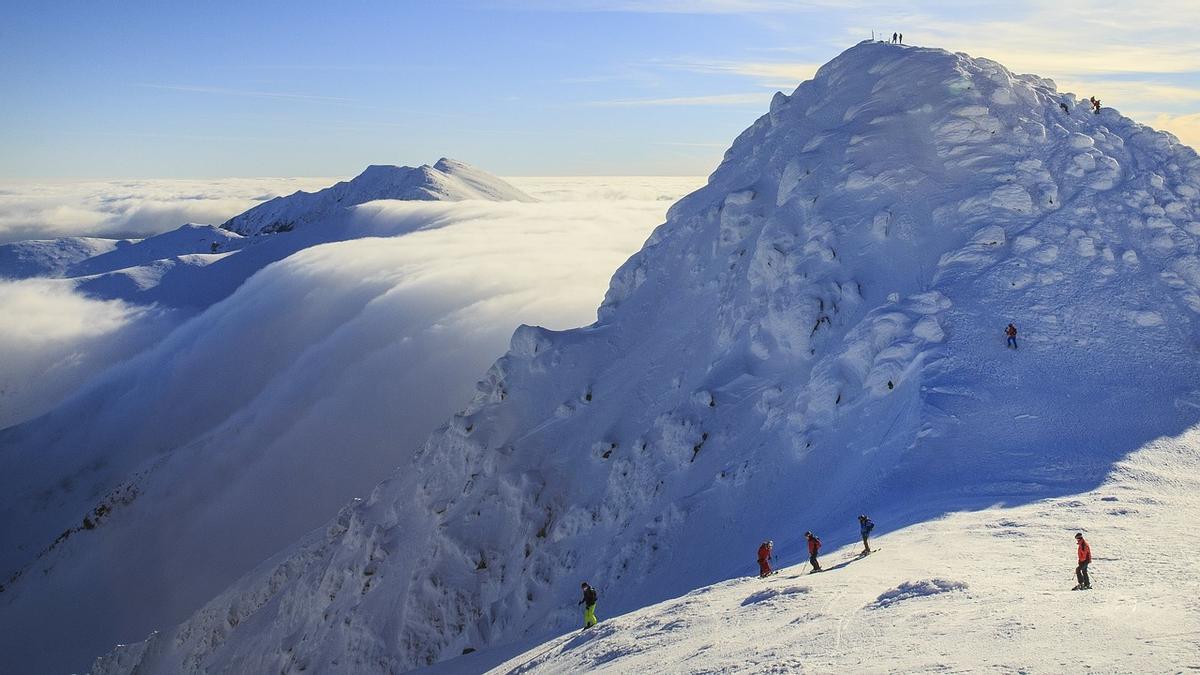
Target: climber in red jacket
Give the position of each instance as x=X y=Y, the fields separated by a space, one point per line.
x=1085 y=558
x=814 y=545
x=764 y=557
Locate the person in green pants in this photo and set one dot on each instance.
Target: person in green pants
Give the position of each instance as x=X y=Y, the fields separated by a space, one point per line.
x=589 y=606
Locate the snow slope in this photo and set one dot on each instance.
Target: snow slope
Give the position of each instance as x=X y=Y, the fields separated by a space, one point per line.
x=446 y=180
x=51 y=257
x=168 y=476
x=982 y=591
x=814 y=334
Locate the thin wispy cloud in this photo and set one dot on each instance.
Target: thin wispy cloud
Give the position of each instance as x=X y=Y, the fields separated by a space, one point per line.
x=692 y=145
x=758 y=98
x=222 y=91
x=679 y=6
x=772 y=74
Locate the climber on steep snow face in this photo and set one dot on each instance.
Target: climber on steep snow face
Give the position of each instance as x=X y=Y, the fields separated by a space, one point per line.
x=1011 y=332
x=764 y=557
x=589 y=606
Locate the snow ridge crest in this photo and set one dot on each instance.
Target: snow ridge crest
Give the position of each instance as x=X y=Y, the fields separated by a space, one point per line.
x=446 y=180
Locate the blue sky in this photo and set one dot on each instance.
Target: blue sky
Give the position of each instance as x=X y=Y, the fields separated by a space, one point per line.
x=519 y=87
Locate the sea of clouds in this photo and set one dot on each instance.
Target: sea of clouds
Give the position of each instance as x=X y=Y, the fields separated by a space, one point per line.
x=480 y=269
x=131 y=208
x=265 y=412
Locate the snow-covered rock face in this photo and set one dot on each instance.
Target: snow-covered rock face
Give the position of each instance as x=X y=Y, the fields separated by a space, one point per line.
x=815 y=334
x=447 y=180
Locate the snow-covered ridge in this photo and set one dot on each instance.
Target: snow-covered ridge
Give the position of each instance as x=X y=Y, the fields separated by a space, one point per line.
x=52 y=257
x=815 y=334
x=446 y=180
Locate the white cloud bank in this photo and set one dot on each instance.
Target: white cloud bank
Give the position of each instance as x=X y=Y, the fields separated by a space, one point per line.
x=131 y=208
x=53 y=339
x=252 y=422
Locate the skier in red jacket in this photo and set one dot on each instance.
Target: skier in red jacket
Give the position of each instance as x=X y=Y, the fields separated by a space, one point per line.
x=1085 y=558
x=814 y=545
x=764 y=558
x=1011 y=332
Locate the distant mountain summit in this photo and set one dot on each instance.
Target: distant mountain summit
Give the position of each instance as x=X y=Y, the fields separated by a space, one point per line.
x=448 y=180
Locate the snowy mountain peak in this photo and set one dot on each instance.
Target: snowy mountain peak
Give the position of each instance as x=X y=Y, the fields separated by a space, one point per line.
x=447 y=180
x=815 y=334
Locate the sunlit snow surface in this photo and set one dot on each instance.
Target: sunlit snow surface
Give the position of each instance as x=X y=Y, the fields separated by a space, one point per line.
x=985 y=591
x=239 y=426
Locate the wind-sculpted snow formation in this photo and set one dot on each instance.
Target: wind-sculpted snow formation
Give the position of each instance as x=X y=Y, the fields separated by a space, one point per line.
x=814 y=334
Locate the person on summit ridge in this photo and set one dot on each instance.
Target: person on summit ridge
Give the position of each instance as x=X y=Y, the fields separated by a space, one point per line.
x=865 y=526
x=1011 y=332
x=764 y=558
x=1085 y=558
x=893 y=38
x=814 y=545
x=1095 y=104
x=589 y=606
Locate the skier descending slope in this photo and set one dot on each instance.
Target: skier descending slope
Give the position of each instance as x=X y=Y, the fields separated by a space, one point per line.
x=1011 y=332
x=589 y=606
x=1085 y=558
x=764 y=558
x=865 y=526
x=814 y=545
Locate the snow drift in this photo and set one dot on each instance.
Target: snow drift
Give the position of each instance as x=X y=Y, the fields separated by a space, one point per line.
x=814 y=334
